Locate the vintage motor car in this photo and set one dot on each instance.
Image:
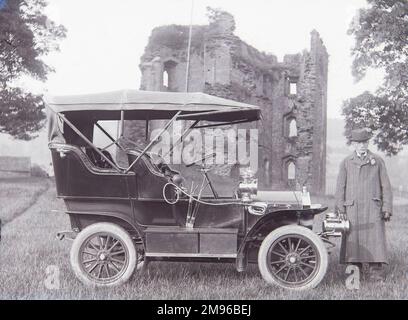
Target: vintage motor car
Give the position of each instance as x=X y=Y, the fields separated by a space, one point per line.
x=123 y=217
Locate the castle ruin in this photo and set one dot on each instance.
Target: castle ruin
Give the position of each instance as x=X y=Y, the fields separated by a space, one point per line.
x=292 y=93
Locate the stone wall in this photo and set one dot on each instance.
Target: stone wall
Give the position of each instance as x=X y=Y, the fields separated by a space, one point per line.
x=292 y=132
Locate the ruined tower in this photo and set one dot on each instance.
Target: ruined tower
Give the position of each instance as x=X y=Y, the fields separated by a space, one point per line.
x=292 y=93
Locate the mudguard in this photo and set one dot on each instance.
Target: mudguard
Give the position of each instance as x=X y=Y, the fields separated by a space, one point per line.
x=271 y=221
x=114 y=217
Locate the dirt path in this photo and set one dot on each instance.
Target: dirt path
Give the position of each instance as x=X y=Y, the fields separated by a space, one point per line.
x=35 y=198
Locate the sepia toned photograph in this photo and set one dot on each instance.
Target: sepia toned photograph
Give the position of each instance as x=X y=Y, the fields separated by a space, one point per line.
x=209 y=150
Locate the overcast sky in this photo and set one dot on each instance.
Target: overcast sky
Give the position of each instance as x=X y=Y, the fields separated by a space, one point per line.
x=106 y=39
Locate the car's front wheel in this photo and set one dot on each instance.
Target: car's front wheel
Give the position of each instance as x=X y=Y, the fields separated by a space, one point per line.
x=103 y=254
x=293 y=257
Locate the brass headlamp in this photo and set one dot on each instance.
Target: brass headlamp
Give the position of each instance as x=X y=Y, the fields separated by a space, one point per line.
x=334 y=225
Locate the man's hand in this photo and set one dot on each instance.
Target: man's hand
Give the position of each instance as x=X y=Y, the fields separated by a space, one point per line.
x=386 y=216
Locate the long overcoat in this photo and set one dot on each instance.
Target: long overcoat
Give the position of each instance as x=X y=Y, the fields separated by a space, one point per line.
x=363 y=192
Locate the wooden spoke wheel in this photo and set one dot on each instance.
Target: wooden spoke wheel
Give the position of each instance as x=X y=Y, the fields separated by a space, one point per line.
x=103 y=254
x=293 y=257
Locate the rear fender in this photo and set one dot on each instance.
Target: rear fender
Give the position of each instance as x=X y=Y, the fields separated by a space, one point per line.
x=80 y=220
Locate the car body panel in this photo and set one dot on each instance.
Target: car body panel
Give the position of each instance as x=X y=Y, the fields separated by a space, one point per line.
x=96 y=189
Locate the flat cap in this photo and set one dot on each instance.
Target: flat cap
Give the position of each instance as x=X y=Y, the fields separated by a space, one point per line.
x=360 y=135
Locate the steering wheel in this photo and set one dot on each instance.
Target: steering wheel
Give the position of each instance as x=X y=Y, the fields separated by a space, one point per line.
x=207 y=156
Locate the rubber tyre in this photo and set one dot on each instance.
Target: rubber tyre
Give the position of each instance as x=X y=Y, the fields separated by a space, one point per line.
x=293 y=230
x=94 y=229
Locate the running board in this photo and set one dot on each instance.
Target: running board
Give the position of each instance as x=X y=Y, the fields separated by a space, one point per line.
x=191 y=255
x=191 y=242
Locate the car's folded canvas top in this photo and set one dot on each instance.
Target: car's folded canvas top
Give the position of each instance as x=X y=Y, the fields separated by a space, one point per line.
x=154 y=105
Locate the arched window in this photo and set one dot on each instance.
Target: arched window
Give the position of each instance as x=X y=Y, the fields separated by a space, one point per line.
x=292 y=88
x=291 y=171
x=165 y=79
x=292 y=128
x=169 y=75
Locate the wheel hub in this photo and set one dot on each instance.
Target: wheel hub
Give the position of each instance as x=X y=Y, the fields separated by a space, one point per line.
x=103 y=256
x=292 y=259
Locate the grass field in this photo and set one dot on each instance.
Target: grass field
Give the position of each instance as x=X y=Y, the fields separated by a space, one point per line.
x=29 y=246
x=18 y=194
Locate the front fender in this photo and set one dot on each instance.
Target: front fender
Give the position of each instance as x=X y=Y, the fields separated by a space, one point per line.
x=275 y=219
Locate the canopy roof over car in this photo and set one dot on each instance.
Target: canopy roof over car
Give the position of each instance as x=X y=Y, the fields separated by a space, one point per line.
x=79 y=114
x=149 y=105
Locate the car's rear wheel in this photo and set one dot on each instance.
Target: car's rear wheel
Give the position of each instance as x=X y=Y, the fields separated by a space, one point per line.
x=103 y=254
x=293 y=257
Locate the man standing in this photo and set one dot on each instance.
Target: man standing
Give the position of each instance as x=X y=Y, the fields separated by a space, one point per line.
x=364 y=197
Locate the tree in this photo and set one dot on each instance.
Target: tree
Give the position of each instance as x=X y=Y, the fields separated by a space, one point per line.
x=26 y=35
x=381 y=33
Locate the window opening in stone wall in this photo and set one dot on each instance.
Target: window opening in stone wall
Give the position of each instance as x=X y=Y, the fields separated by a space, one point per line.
x=293 y=88
x=169 y=77
x=292 y=128
x=165 y=79
x=291 y=171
